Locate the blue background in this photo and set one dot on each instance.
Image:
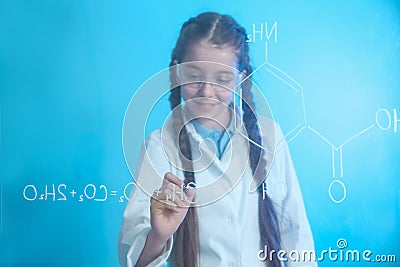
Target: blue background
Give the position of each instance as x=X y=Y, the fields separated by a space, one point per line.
x=68 y=70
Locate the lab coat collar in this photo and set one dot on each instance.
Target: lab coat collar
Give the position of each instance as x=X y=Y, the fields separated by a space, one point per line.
x=235 y=124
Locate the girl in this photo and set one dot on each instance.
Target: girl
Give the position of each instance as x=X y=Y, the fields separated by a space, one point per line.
x=218 y=222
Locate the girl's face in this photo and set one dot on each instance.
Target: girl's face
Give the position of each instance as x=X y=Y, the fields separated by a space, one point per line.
x=208 y=86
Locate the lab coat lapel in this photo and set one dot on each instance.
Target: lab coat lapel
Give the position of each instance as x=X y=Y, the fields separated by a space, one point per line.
x=226 y=172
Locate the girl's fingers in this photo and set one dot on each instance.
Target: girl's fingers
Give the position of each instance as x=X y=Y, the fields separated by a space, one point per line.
x=172 y=196
x=169 y=177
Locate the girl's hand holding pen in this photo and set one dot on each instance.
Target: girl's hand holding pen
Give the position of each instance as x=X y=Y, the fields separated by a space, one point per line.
x=169 y=206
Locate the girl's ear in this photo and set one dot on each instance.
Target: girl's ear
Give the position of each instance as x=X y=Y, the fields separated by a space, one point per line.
x=243 y=75
x=173 y=69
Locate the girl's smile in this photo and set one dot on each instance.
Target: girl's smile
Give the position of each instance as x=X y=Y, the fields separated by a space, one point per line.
x=205 y=103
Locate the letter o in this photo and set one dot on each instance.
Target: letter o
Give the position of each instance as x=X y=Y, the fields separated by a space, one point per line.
x=344 y=191
x=34 y=190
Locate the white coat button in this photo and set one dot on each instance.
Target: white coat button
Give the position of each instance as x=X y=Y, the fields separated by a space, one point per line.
x=229 y=220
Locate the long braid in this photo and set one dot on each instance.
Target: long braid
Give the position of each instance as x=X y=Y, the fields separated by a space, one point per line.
x=188 y=231
x=268 y=221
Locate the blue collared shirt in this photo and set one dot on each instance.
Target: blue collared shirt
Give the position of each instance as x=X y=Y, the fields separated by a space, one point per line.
x=219 y=138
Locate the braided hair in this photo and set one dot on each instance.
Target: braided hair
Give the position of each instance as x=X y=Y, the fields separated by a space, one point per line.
x=219 y=29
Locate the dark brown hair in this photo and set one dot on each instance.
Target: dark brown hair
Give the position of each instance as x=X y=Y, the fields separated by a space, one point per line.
x=221 y=30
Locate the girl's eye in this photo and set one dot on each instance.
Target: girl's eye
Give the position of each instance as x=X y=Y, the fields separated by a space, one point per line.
x=194 y=76
x=223 y=80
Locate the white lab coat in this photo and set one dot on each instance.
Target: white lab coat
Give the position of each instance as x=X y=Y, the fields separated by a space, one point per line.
x=228 y=227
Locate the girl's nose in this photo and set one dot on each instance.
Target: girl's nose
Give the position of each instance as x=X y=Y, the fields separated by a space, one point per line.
x=206 y=89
